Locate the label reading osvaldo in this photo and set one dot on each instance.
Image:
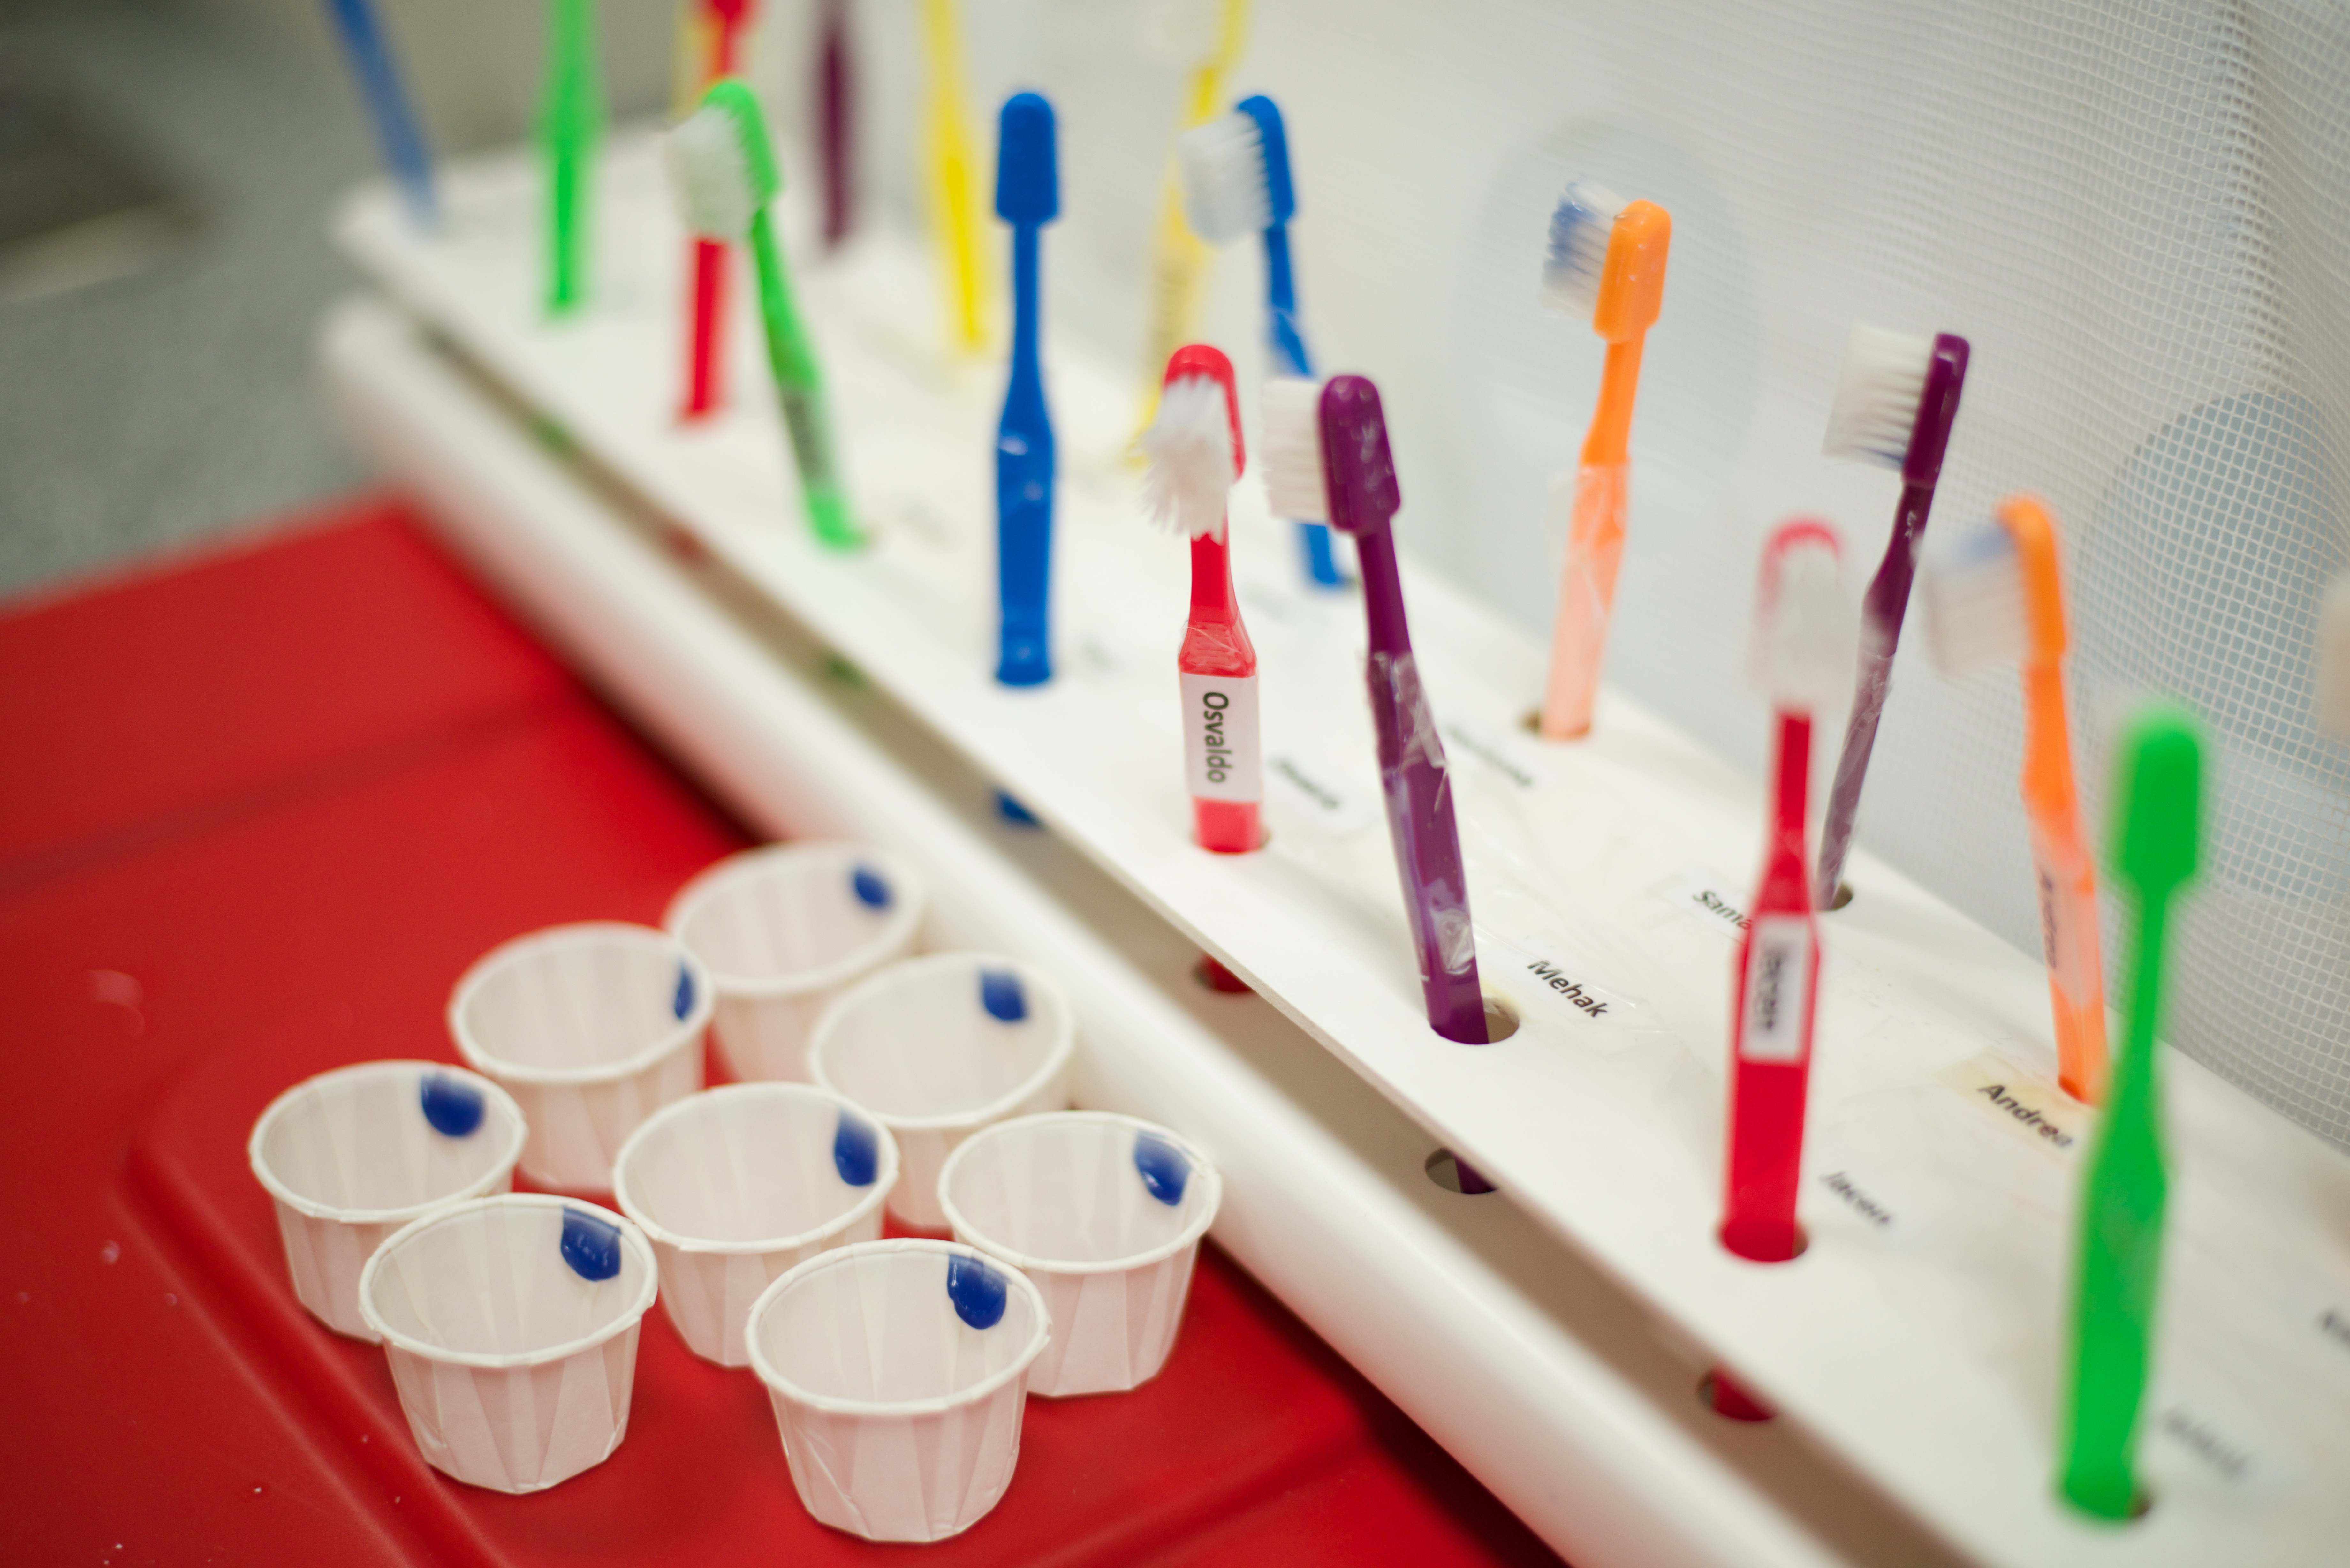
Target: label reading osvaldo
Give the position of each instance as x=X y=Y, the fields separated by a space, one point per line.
x=1219 y=751
x=1775 y=984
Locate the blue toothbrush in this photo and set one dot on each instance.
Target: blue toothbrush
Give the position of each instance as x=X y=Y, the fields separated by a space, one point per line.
x=1027 y=196
x=1236 y=181
x=396 y=129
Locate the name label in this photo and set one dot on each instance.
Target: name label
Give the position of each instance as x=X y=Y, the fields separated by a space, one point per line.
x=1219 y=749
x=1493 y=755
x=1861 y=1203
x=2040 y=1112
x=1776 y=1018
x=1705 y=896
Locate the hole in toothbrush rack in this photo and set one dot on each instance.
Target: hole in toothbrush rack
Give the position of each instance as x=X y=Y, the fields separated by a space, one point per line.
x=1500 y=1020
x=1720 y=1393
x=1215 y=976
x=1843 y=896
x=1446 y=1170
x=1803 y=1243
x=1531 y=724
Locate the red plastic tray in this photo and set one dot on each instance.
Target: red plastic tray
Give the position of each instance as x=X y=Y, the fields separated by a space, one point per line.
x=263 y=806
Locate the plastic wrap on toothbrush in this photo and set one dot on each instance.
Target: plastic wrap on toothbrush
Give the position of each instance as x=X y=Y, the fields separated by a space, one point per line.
x=1418 y=786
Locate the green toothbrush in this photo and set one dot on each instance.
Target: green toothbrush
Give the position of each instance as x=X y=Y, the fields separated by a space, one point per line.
x=724 y=171
x=570 y=122
x=2158 y=817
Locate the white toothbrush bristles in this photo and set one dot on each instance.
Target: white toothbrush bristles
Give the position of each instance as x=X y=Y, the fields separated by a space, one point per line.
x=1876 y=398
x=1576 y=258
x=1189 y=446
x=709 y=175
x=1184 y=32
x=2333 y=672
x=1291 y=449
x=1225 y=194
x=1804 y=630
x=1975 y=616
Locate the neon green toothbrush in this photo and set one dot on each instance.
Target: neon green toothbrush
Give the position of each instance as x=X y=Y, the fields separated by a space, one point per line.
x=571 y=123
x=724 y=171
x=2158 y=817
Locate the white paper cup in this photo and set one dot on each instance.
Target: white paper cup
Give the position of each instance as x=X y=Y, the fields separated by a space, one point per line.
x=939 y=1047
x=1105 y=1214
x=352 y=1156
x=898 y=1370
x=510 y=1327
x=737 y=1187
x=593 y=1028
x=783 y=931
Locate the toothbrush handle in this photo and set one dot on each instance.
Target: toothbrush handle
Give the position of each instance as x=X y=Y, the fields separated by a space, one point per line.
x=1778 y=995
x=1418 y=792
x=799 y=388
x=1288 y=341
x=395 y=122
x=951 y=166
x=1587 y=594
x=1881 y=611
x=833 y=123
x=709 y=310
x=2122 y=1217
x=1023 y=488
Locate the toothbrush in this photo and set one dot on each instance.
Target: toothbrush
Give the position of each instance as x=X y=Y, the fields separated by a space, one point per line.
x=1195 y=452
x=571 y=123
x=1027 y=196
x=1325 y=456
x=1997 y=599
x=722 y=22
x=1802 y=645
x=1204 y=37
x=1236 y=171
x=723 y=170
x=1606 y=258
x=2157 y=829
x=1894 y=406
x=951 y=176
x=2330 y=694
x=833 y=124
x=396 y=130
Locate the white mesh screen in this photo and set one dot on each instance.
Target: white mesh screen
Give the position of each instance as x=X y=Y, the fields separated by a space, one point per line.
x=2138 y=212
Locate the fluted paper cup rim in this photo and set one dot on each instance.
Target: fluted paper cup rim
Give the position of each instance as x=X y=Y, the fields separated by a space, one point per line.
x=481 y=1186
x=905 y=1410
x=687 y=1031
x=486 y=1360
x=883 y=1181
x=1065 y=1045
x=721 y=876
x=1189 y=1236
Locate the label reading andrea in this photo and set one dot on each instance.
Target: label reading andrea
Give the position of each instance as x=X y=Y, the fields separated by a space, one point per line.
x=1219 y=751
x=1776 y=982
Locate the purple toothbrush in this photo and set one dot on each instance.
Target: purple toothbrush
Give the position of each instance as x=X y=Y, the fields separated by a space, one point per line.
x=1327 y=458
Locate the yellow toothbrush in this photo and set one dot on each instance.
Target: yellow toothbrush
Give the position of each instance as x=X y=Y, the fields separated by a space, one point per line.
x=951 y=207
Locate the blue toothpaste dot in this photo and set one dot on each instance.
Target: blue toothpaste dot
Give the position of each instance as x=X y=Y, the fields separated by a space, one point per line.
x=591 y=1246
x=1000 y=993
x=977 y=1291
x=855 y=1151
x=683 y=1003
x=1013 y=812
x=1164 y=1170
x=454 y=1109
x=871 y=890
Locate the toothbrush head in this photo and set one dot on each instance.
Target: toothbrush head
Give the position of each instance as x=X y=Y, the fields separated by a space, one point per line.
x=2333 y=672
x=1187 y=33
x=1235 y=172
x=2158 y=799
x=1194 y=443
x=1995 y=598
x=1606 y=258
x=1290 y=454
x=1804 y=622
x=1357 y=469
x=722 y=167
x=1027 y=164
x=1897 y=399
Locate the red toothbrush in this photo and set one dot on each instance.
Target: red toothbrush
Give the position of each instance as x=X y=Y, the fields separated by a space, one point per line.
x=1803 y=648
x=721 y=23
x=1194 y=445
